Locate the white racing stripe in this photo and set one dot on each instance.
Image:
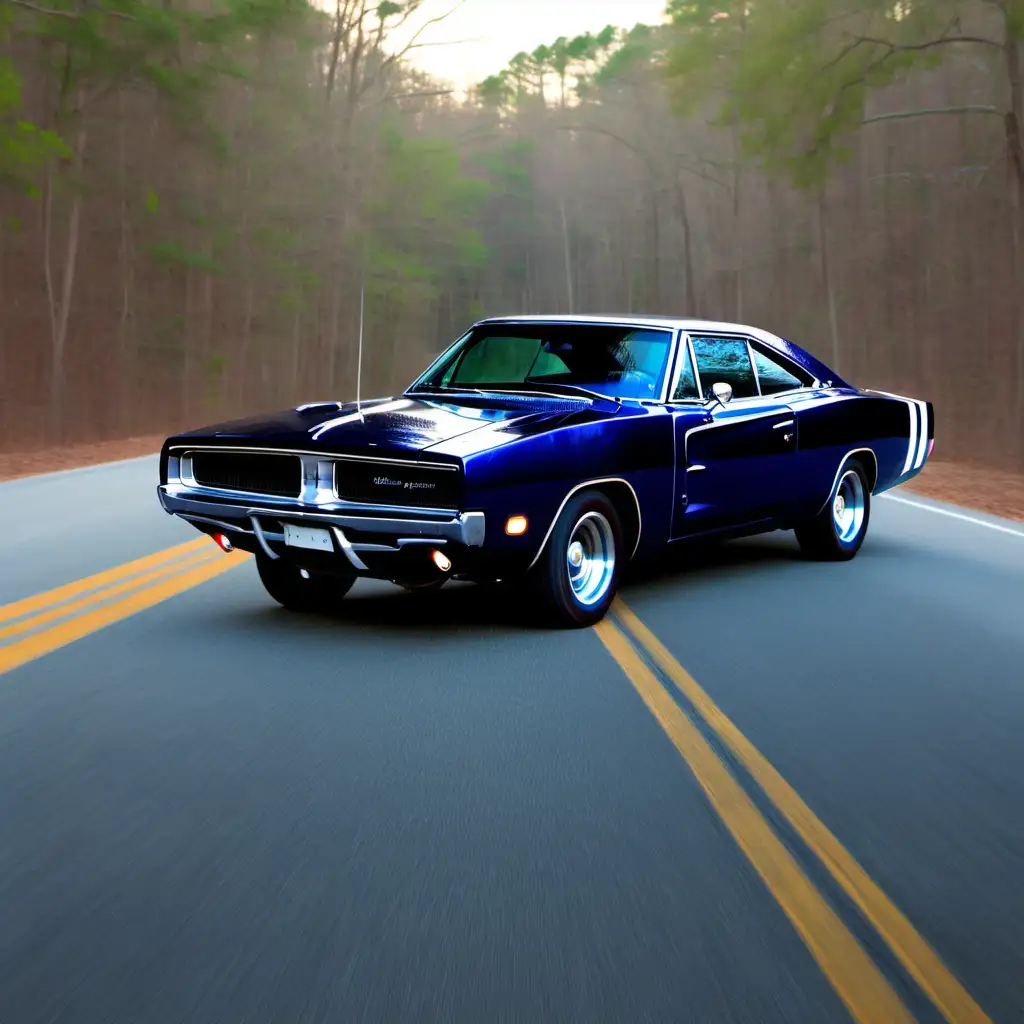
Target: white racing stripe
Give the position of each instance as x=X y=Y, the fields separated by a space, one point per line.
x=917 y=444
x=912 y=444
x=955 y=515
x=922 y=441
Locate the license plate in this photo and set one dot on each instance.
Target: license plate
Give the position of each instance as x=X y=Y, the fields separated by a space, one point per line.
x=306 y=537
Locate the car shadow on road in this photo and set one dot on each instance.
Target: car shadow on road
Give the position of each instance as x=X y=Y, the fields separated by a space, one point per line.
x=461 y=607
x=709 y=558
x=383 y=607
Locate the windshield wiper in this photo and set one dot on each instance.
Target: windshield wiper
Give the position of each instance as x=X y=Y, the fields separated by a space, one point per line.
x=439 y=390
x=576 y=388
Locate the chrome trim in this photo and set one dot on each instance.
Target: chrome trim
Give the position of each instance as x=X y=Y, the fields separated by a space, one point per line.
x=215 y=522
x=696 y=468
x=346 y=547
x=319 y=454
x=684 y=348
x=469 y=528
x=842 y=462
x=258 y=530
x=670 y=363
x=579 y=487
x=180 y=490
x=753 y=367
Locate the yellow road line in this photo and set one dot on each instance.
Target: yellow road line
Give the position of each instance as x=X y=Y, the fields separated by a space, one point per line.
x=952 y=1000
x=64 y=633
x=97 y=597
x=852 y=973
x=52 y=597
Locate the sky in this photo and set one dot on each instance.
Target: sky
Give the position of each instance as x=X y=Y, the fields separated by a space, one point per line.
x=491 y=32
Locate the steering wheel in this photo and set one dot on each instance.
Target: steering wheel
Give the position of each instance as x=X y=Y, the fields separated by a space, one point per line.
x=642 y=377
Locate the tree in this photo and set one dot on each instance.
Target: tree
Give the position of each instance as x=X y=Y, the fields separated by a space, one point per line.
x=802 y=85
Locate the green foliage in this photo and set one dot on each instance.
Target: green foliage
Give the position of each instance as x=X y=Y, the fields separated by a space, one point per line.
x=176 y=254
x=794 y=76
x=799 y=88
x=420 y=215
x=180 y=52
x=24 y=147
x=711 y=37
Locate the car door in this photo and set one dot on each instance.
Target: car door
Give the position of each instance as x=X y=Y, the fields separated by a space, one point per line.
x=736 y=460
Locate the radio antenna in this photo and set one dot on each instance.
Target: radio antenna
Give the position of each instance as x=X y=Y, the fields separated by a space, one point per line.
x=359 y=362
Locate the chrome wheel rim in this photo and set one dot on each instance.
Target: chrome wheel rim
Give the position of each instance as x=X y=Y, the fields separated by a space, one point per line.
x=590 y=558
x=848 y=506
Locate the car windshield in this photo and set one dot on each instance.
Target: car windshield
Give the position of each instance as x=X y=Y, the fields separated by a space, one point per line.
x=613 y=361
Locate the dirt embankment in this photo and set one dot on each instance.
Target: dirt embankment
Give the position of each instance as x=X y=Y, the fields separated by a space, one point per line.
x=989 y=490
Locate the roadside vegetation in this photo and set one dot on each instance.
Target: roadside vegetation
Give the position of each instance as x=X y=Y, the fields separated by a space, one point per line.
x=193 y=195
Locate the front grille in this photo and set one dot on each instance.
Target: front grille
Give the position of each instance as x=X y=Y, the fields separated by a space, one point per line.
x=383 y=483
x=257 y=473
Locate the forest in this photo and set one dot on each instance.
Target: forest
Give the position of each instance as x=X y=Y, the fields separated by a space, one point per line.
x=194 y=194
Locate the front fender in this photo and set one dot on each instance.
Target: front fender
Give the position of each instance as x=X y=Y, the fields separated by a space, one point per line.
x=535 y=476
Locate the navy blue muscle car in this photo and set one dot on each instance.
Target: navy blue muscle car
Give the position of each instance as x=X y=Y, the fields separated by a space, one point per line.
x=547 y=452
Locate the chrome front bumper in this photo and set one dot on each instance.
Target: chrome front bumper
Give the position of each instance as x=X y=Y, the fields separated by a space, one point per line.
x=402 y=527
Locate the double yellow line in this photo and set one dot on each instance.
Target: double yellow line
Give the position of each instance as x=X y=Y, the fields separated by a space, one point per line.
x=48 y=621
x=860 y=984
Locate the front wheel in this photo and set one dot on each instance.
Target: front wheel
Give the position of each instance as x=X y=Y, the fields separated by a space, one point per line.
x=837 y=531
x=302 y=590
x=579 y=571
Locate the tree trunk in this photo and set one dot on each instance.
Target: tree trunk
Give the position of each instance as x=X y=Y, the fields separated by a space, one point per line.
x=1014 y=127
x=688 y=268
x=826 y=279
x=126 y=402
x=737 y=240
x=59 y=297
x=568 y=259
x=654 y=284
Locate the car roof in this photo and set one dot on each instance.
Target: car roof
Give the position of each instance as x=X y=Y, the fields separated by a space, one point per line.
x=633 y=320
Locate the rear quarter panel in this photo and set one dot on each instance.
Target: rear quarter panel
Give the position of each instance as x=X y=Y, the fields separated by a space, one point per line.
x=533 y=475
x=833 y=424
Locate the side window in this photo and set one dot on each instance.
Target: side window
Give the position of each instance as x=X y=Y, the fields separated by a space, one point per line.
x=686 y=383
x=775 y=378
x=725 y=361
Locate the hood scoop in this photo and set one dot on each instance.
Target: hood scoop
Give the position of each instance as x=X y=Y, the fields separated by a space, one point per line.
x=319 y=407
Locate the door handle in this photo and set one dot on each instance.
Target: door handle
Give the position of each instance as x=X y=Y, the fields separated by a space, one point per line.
x=784 y=423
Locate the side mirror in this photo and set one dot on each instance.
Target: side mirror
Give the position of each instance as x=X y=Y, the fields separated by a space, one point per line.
x=722 y=392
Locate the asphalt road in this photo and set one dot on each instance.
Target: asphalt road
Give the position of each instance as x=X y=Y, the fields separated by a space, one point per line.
x=428 y=810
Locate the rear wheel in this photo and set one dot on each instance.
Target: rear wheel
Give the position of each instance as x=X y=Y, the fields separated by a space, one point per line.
x=302 y=590
x=838 y=530
x=579 y=571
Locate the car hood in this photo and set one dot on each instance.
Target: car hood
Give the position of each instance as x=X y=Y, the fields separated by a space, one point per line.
x=403 y=426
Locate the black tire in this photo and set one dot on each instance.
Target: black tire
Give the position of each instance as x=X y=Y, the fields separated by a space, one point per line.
x=590 y=520
x=316 y=592
x=823 y=538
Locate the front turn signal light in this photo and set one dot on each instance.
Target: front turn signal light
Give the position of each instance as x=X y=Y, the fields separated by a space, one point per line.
x=516 y=526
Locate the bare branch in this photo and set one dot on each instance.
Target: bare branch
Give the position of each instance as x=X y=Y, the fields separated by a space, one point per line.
x=73 y=15
x=968 y=109
x=940 y=41
x=436 y=20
